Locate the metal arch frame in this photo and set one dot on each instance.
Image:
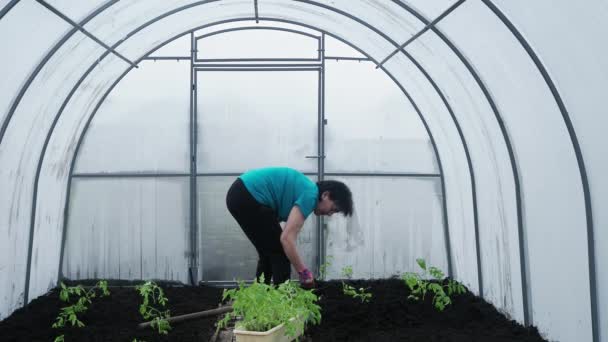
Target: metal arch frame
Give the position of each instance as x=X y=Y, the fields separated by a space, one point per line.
x=158 y=18
x=489 y=98
x=43 y=62
x=245 y=19
x=246 y=28
x=107 y=52
x=465 y=146
x=579 y=158
x=8 y=7
x=424 y=29
x=83 y=30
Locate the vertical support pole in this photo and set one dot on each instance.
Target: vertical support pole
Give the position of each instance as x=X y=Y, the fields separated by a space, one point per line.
x=193 y=255
x=321 y=149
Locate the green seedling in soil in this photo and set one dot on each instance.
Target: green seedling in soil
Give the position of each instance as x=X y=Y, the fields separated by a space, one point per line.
x=419 y=286
x=69 y=314
x=323 y=268
x=349 y=290
x=262 y=307
x=153 y=297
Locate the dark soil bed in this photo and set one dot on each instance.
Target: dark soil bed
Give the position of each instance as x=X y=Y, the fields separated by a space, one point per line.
x=114 y=318
x=389 y=316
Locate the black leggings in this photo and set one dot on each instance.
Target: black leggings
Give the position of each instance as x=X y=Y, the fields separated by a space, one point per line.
x=261 y=225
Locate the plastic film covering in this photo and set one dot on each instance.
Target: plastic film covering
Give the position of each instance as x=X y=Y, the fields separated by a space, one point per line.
x=334 y=47
x=551 y=201
x=171 y=19
x=225 y=252
x=57 y=160
x=74 y=9
x=17 y=61
x=457 y=174
x=574 y=56
x=495 y=185
x=143 y=124
x=180 y=47
x=55 y=171
x=128 y=229
x=26 y=134
x=396 y=220
x=394 y=139
x=429 y=9
x=258 y=44
x=250 y=119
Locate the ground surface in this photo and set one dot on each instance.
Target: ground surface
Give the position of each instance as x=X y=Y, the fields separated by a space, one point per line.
x=388 y=317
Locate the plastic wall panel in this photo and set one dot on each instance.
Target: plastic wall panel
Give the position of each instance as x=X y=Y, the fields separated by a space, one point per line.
x=23 y=141
x=75 y=9
x=574 y=56
x=143 y=124
x=340 y=26
x=225 y=252
x=178 y=47
x=18 y=60
x=334 y=47
x=394 y=140
x=456 y=173
x=495 y=185
x=395 y=221
x=429 y=9
x=128 y=229
x=455 y=168
x=54 y=173
x=179 y=22
x=552 y=201
x=258 y=44
x=250 y=119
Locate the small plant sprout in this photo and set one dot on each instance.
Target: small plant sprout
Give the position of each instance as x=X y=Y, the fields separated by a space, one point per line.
x=419 y=286
x=347 y=272
x=83 y=299
x=323 y=268
x=262 y=307
x=153 y=297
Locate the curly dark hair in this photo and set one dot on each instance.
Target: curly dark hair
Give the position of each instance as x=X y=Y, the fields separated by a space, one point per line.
x=339 y=193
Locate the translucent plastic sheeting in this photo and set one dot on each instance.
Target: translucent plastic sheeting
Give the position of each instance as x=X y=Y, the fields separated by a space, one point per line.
x=143 y=124
x=184 y=16
x=250 y=119
x=455 y=170
x=552 y=201
x=396 y=220
x=258 y=43
x=574 y=56
x=128 y=229
x=225 y=252
x=55 y=170
x=17 y=59
x=495 y=185
x=74 y=9
x=23 y=142
x=177 y=48
x=334 y=47
x=394 y=139
x=429 y=9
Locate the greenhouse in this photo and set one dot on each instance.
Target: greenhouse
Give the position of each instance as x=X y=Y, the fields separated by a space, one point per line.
x=466 y=134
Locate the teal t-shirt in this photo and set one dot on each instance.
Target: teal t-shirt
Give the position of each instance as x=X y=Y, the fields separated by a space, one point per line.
x=280 y=188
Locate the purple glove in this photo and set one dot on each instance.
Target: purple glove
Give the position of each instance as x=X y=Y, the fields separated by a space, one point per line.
x=307 y=281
